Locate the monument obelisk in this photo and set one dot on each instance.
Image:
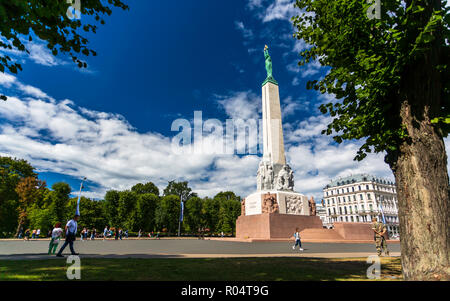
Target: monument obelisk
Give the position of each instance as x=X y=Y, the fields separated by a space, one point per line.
x=274 y=210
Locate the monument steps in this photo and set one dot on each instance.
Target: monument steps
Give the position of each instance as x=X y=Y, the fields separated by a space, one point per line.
x=320 y=234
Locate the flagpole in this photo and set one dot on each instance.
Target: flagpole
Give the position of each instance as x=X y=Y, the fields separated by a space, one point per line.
x=181 y=215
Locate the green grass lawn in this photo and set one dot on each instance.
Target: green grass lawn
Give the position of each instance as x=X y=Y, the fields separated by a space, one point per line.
x=231 y=269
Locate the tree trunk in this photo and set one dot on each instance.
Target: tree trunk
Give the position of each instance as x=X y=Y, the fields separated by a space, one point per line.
x=423 y=200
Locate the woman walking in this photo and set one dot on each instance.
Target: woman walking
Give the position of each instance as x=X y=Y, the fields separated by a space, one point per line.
x=297 y=240
x=56 y=236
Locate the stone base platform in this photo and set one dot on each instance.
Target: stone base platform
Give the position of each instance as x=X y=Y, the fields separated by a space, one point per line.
x=274 y=225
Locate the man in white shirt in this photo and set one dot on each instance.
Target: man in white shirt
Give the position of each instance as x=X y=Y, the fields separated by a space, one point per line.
x=71 y=233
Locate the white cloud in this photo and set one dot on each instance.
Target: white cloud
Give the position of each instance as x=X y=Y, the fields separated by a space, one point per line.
x=59 y=137
x=246 y=33
x=40 y=54
x=241 y=105
x=280 y=10
x=6 y=80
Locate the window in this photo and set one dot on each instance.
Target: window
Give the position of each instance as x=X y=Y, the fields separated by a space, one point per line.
x=352 y=218
x=367 y=187
x=371 y=207
x=359 y=187
x=361 y=197
x=345 y=210
x=348 y=190
x=368 y=196
x=353 y=189
x=339 y=199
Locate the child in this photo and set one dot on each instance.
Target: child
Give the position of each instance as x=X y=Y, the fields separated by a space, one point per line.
x=297 y=240
x=56 y=236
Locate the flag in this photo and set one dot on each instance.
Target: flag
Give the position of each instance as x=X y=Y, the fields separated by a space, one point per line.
x=182 y=211
x=382 y=213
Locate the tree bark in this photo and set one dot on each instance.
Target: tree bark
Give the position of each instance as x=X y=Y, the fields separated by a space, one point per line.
x=423 y=200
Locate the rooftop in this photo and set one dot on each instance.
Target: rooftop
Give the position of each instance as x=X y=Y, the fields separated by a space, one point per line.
x=357 y=179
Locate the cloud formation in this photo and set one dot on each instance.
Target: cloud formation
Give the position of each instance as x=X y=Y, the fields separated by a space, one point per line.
x=60 y=137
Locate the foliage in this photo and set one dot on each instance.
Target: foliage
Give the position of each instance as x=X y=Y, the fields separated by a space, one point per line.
x=368 y=60
x=180 y=189
x=193 y=214
x=145 y=188
x=23 y=21
x=111 y=205
x=11 y=172
x=59 y=199
x=145 y=208
x=167 y=213
x=29 y=189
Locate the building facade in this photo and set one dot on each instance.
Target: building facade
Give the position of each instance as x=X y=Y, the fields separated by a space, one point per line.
x=358 y=198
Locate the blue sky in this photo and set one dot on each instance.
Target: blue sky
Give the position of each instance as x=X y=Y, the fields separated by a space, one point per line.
x=158 y=62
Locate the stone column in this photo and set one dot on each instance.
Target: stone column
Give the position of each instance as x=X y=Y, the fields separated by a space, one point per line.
x=272 y=125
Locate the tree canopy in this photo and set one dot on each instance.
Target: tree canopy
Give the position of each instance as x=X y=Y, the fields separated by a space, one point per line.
x=368 y=60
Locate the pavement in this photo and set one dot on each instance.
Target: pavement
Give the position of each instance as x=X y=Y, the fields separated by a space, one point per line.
x=189 y=248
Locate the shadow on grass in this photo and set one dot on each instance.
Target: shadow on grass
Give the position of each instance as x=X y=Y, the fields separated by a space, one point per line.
x=211 y=269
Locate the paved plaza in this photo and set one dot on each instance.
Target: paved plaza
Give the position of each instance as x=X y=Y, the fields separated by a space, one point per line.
x=188 y=248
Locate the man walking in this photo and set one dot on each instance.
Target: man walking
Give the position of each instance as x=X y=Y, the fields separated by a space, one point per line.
x=297 y=240
x=379 y=230
x=71 y=234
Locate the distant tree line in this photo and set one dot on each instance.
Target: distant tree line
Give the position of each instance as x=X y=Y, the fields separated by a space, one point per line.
x=27 y=203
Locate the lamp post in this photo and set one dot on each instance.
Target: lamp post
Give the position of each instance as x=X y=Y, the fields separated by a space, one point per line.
x=79 y=197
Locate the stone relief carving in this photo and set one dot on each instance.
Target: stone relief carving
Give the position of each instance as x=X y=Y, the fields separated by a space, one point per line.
x=267 y=180
x=294 y=205
x=312 y=207
x=270 y=204
x=285 y=179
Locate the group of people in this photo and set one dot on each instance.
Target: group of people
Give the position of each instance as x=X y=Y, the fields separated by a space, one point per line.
x=117 y=233
x=150 y=234
x=85 y=233
x=26 y=236
x=378 y=228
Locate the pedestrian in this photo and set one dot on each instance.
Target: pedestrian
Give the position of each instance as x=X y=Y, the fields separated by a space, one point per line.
x=126 y=233
x=20 y=233
x=297 y=240
x=139 y=234
x=27 y=234
x=116 y=234
x=71 y=235
x=379 y=230
x=221 y=234
x=38 y=232
x=81 y=235
x=54 y=241
x=33 y=234
x=120 y=234
x=93 y=233
x=105 y=232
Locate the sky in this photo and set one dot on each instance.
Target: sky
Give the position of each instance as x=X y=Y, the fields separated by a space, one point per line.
x=159 y=62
